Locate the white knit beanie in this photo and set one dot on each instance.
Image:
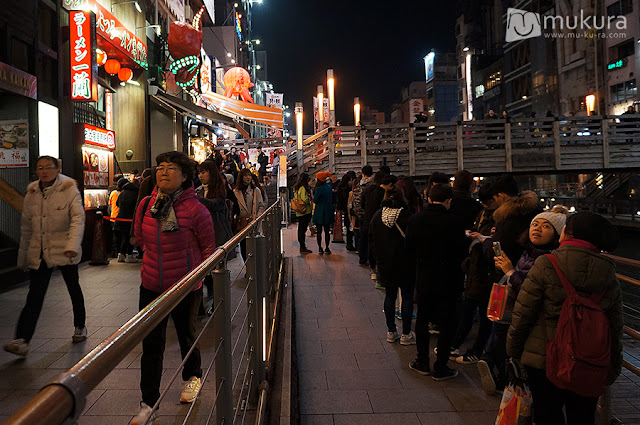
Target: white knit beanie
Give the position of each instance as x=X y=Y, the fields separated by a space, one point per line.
x=557 y=217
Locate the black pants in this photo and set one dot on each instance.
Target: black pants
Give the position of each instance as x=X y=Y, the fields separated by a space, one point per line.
x=548 y=401
x=442 y=310
x=125 y=246
x=115 y=240
x=184 y=319
x=327 y=234
x=363 y=246
x=39 y=282
x=303 y=223
x=496 y=353
x=391 y=294
x=347 y=224
x=468 y=310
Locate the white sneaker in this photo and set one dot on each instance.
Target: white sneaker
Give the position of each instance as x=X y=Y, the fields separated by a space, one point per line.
x=79 y=335
x=393 y=337
x=190 y=390
x=121 y=258
x=130 y=259
x=19 y=347
x=142 y=416
x=374 y=276
x=409 y=339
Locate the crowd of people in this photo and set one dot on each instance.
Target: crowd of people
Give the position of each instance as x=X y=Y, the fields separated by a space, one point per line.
x=443 y=254
x=174 y=216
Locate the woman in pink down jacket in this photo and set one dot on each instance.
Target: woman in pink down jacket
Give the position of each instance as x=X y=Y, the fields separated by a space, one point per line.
x=176 y=232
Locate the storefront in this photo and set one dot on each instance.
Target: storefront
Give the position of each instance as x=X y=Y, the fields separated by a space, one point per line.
x=97 y=145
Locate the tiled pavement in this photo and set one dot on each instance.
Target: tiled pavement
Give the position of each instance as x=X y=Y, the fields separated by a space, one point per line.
x=350 y=374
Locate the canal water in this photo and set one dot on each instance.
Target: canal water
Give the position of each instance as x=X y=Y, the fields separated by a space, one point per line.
x=630 y=247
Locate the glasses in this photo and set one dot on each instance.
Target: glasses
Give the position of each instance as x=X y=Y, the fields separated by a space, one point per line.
x=50 y=167
x=167 y=169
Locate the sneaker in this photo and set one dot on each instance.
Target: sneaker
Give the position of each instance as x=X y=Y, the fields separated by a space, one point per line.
x=374 y=276
x=121 y=258
x=190 y=390
x=398 y=314
x=320 y=251
x=143 y=414
x=421 y=368
x=468 y=358
x=379 y=286
x=444 y=374
x=453 y=353
x=130 y=259
x=393 y=337
x=19 y=347
x=486 y=378
x=408 y=339
x=80 y=334
x=305 y=250
x=327 y=251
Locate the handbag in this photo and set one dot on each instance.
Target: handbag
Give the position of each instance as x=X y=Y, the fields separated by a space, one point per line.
x=515 y=406
x=297 y=205
x=497 y=302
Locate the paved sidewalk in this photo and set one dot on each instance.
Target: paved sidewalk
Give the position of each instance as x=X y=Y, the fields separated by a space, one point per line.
x=350 y=374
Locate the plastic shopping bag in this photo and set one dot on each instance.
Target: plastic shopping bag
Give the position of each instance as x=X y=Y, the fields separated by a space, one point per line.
x=515 y=407
x=497 y=302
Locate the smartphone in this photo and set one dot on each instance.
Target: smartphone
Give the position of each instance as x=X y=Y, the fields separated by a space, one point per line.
x=497 y=249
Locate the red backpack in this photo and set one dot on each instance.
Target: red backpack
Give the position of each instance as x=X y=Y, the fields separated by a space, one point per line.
x=579 y=357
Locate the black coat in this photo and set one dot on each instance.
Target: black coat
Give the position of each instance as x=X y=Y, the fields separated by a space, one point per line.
x=437 y=245
x=464 y=207
x=127 y=204
x=263 y=160
x=389 y=248
x=372 y=197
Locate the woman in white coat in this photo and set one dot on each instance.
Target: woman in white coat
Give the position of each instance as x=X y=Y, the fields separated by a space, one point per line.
x=51 y=236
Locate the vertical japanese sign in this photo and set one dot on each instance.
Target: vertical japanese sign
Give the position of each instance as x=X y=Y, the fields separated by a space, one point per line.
x=108 y=107
x=325 y=112
x=274 y=100
x=84 y=68
x=205 y=74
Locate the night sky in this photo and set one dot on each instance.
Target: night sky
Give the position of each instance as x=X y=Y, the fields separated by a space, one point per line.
x=375 y=47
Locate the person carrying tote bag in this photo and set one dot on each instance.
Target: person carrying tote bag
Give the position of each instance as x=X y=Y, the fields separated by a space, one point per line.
x=250 y=203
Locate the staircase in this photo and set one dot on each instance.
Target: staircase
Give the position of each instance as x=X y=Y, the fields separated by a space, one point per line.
x=10 y=274
x=610 y=183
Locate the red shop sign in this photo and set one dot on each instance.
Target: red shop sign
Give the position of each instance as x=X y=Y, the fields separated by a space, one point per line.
x=84 y=69
x=99 y=137
x=112 y=30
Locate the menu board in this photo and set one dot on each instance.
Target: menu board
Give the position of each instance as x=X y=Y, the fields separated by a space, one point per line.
x=14 y=143
x=95 y=168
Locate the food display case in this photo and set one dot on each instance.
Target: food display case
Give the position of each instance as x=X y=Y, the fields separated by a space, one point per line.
x=97 y=164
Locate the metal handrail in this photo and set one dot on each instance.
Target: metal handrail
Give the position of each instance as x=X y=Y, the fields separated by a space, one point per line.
x=65 y=397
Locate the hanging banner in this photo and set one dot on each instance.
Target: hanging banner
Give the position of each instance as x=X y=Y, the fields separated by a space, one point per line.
x=275 y=100
x=325 y=112
x=14 y=143
x=16 y=81
x=205 y=73
x=416 y=106
x=84 y=67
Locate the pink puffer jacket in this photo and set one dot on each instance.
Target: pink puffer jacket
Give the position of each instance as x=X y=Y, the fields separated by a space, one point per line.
x=169 y=256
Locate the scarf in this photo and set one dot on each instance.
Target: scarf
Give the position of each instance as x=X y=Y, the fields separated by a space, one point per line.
x=162 y=210
x=582 y=244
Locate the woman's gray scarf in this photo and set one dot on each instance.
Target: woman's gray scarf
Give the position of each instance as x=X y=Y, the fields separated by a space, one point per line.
x=162 y=210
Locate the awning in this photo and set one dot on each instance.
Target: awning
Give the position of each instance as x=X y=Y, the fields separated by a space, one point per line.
x=245 y=110
x=192 y=110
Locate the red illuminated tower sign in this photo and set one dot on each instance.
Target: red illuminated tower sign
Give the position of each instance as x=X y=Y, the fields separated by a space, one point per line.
x=84 y=68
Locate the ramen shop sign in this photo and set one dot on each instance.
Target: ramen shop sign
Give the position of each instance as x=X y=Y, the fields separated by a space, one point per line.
x=99 y=137
x=84 y=69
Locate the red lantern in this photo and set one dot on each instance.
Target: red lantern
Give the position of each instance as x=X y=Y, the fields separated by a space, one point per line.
x=112 y=66
x=101 y=57
x=125 y=74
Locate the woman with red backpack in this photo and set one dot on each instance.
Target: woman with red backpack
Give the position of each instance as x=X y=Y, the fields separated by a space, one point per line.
x=567 y=323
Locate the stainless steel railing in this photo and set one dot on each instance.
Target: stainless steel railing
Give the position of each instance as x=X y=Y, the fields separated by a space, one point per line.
x=64 y=398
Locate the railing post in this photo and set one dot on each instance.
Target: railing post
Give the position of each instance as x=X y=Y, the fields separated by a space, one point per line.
x=412 y=150
x=556 y=144
x=507 y=147
x=606 y=158
x=459 y=146
x=222 y=333
x=363 y=146
x=256 y=269
x=332 y=151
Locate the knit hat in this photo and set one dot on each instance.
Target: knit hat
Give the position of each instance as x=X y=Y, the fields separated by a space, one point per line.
x=594 y=228
x=557 y=217
x=323 y=176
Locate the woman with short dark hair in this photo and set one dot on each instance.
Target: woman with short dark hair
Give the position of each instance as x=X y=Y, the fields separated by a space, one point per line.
x=250 y=202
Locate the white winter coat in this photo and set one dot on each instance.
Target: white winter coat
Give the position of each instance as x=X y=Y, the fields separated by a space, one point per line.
x=52 y=223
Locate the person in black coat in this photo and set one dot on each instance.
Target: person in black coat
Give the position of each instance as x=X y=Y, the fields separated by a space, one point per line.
x=436 y=245
x=263 y=161
x=342 y=200
x=463 y=205
x=127 y=204
x=387 y=232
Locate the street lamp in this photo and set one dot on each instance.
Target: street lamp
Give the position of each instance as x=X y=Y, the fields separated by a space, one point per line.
x=299 y=117
x=135 y=2
x=320 y=106
x=356 y=111
x=332 y=100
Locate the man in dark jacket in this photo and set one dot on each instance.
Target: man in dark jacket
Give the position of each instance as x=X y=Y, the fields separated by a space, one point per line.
x=436 y=245
x=263 y=161
x=127 y=204
x=372 y=198
x=463 y=205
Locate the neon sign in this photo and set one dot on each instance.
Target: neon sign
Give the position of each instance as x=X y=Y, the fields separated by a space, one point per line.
x=84 y=86
x=99 y=137
x=238 y=26
x=617 y=64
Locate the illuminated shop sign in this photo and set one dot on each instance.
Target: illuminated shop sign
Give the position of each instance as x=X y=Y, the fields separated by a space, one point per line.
x=84 y=70
x=617 y=64
x=112 y=30
x=99 y=137
x=238 y=26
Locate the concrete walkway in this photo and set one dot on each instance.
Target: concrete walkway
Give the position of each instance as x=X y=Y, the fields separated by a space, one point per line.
x=350 y=374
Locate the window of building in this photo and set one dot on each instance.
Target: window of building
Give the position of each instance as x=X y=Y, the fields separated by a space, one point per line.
x=47 y=26
x=621 y=7
x=494 y=80
x=20 y=55
x=624 y=91
x=625 y=49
